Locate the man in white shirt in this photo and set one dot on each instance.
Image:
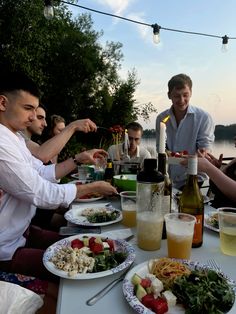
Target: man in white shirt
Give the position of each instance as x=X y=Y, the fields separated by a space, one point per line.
x=27 y=183
x=189 y=128
x=136 y=153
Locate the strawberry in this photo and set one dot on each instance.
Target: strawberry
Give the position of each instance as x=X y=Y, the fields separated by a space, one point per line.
x=91 y=241
x=145 y=282
x=172 y=154
x=111 y=244
x=159 y=306
x=185 y=152
x=177 y=154
x=96 y=248
x=77 y=243
x=147 y=300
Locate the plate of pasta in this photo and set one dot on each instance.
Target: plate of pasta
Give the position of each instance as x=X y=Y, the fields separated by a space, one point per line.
x=172 y=285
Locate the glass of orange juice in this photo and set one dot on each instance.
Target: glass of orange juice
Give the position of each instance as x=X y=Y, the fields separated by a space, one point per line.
x=128 y=206
x=180 y=228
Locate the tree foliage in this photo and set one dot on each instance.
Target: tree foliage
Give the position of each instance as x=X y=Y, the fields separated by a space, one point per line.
x=78 y=76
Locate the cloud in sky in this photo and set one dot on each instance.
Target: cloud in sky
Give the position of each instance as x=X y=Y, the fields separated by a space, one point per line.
x=116 y=6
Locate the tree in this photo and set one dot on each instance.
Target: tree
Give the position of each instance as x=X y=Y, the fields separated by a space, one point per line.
x=78 y=77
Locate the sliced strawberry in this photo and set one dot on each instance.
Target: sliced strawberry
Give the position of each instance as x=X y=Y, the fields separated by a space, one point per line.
x=185 y=152
x=91 y=241
x=159 y=306
x=147 y=300
x=145 y=282
x=111 y=244
x=172 y=154
x=96 y=248
x=77 y=243
x=177 y=154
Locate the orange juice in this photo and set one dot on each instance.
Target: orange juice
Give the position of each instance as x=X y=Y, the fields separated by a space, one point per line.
x=149 y=231
x=179 y=246
x=129 y=216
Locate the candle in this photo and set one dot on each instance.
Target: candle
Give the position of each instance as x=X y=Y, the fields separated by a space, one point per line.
x=162 y=139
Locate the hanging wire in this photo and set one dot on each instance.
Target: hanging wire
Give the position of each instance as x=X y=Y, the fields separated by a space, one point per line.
x=146 y=24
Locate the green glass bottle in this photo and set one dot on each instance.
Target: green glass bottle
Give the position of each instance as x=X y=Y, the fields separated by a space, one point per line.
x=191 y=201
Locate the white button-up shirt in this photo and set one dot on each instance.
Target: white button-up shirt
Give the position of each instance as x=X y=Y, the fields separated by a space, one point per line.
x=26 y=184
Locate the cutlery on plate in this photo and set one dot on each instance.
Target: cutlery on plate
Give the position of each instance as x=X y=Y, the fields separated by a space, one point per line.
x=107 y=288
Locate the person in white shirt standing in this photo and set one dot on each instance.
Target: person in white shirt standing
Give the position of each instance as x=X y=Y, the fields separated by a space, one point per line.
x=27 y=183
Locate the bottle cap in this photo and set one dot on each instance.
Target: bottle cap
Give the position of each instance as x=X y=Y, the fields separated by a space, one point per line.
x=150 y=164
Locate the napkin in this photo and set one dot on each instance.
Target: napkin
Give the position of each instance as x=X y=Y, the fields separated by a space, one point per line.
x=16 y=299
x=122 y=234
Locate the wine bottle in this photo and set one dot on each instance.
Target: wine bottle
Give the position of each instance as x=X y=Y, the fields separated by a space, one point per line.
x=166 y=200
x=191 y=201
x=109 y=172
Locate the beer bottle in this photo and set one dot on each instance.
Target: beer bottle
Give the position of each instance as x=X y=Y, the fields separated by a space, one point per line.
x=109 y=172
x=166 y=199
x=191 y=201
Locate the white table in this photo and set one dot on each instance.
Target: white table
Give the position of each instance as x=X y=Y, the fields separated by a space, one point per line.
x=74 y=293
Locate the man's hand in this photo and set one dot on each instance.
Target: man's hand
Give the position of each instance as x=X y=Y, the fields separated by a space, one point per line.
x=90 y=156
x=84 y=125
x=101 y=187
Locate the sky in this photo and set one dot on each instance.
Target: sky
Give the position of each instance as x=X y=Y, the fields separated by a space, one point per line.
x=212 y=71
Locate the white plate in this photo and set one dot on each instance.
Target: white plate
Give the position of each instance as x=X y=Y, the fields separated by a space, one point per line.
x=120 y=245
x=81 y=181
x=74 y=215
x=175 y=160
x=88 y=200
x=76 y=176
x=207 y=225
x=142 y=270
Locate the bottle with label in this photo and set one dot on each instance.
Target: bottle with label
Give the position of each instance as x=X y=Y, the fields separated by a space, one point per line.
x=166 y=199
x=191 y=201
x=109 y=172
x=150 y=184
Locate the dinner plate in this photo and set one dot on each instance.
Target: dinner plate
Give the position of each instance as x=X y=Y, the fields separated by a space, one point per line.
x=76 y=176
x=142 y=270
x=88 y=200
x=74 y=215
x=120 y=245
x=209 y=225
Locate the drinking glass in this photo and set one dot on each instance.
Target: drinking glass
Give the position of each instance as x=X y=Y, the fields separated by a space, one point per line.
x=82 y=172
x=180 y=228
x=128 y=206
x=227 y=227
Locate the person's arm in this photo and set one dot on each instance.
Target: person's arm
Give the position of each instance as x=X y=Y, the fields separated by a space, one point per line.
x=86 y=157
x=224 y=183
x=54 y=145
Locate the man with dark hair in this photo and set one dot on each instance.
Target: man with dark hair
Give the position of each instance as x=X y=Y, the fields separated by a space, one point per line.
x=136 y=153
x=188 y=129
x=27 y=183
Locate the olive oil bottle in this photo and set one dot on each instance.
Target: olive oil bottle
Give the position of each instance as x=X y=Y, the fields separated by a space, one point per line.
x=166 y=200
x=191 y=201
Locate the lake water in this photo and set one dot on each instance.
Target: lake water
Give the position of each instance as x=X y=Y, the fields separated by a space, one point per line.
x=227 y=148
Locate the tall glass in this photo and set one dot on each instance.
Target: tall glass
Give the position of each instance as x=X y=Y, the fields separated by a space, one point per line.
x=128 y=206
x=180 y=228
x=227 y=227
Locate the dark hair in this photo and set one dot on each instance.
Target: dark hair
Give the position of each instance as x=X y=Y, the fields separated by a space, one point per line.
x=179 y=81
x=134 y=126
x=15 y=81
x=42 y=106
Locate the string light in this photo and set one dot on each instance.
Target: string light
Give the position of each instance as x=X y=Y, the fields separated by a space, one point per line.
x=156 y=28
x=156 y=33
x=48 y=9
x=224 y=47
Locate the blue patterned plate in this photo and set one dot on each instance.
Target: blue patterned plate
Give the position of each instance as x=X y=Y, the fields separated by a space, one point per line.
x=142 y=270
x=120 y=245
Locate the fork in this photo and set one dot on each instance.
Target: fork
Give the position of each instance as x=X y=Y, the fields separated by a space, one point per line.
x=107 y=288
x=213 y=264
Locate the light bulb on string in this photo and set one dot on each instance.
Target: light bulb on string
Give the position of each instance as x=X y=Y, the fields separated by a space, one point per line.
x=48 y=10
x=156 y=33
x=225 y=40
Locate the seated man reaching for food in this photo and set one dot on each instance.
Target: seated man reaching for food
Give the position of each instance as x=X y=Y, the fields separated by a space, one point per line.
x=136 y=153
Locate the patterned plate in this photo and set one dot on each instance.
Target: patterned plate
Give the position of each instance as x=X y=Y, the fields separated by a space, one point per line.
x=142 y=270
x=120 y=245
